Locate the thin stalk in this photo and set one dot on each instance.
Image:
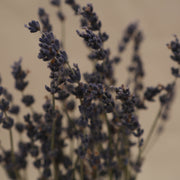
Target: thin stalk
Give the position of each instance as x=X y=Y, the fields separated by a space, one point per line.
x=53 y=139
x=155 y=138
x=72 y=143
x=140 y=151
x=152 y=129
x=82 y=169
x=12 y=149
x=32 y=109
x=127 y=174
x=11 y=142
x=12 y=145
x=53 y=125
x=75 y=166
x=110 y=145
x=70 y=68
x=20 y=134
x=25 y=175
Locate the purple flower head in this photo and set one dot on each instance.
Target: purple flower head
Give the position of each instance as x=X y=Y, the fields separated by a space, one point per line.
x=49 y=46
x=4 y=105
x=8 y=122
x=34 y=26
x=55 y=2
x=20 y=127
x=175 y=72
x=75 y=75
x=73 y=5
x=151 y=92
x=14 y=109
x=174 y=46
x=19 y=76
x=17 y=71
x=90 y=19
x=92 y=40
x=28 y=100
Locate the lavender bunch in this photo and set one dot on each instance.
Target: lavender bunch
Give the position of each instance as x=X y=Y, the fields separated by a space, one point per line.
x=89 y=125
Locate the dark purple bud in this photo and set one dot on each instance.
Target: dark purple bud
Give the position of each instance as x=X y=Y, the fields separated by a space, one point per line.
x=175 y=72
x=14 y=109
x=34 y=26
x=8 y=123
x=37 y=163
x=4 y=105
x=34 y=151
x=55 y=2
x=28 y=100
x=19 y=127
x=151 y=92
x=60 y=16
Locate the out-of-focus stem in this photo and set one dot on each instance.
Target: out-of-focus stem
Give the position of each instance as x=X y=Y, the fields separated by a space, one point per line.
x=152 y=129
x=53 y=139
x=11 y=141
x=12 y=145
x=82 y=169
x=53 y=125
x=72 y=143
x=110 y=145
x=12 y=149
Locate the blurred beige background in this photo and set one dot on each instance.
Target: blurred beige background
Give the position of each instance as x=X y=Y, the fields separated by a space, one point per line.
x=159 y=20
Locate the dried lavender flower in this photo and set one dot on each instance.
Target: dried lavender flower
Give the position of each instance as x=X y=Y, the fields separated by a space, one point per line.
x=34 y=26
x=28 y=100
x=89 y=114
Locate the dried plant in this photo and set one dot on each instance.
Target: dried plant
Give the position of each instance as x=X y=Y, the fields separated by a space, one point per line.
x=89 y=125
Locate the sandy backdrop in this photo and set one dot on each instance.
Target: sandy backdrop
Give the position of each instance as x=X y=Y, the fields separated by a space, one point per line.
x=159 y=20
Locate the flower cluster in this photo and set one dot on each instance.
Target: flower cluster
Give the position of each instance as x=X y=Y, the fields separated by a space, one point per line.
x=89 y=124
